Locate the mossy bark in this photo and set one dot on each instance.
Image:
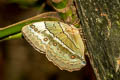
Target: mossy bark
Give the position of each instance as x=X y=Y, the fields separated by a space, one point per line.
x=100 y=21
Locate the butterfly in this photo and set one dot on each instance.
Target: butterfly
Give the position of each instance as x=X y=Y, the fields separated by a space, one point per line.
x=60 y=42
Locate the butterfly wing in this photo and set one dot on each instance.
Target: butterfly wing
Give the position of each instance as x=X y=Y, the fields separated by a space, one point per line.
x=61 y=46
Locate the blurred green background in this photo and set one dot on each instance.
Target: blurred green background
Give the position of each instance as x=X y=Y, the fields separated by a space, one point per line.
x=18 y=60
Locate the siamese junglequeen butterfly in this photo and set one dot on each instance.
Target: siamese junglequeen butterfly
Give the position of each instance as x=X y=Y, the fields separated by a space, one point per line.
x=60 y=42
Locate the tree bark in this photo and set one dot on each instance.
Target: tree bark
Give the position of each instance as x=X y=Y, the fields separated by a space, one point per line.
x=100 y=21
